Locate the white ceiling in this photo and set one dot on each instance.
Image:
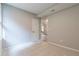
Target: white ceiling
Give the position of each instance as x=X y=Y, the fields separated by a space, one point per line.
x=35 y=8
x=42 y=9
x=57 y=8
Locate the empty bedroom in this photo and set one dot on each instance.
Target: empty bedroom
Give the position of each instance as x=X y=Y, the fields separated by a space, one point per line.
x=39 y=29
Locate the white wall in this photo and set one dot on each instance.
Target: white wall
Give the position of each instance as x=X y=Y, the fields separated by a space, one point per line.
x=0 y=31
x=17 y=26
x=63 y=27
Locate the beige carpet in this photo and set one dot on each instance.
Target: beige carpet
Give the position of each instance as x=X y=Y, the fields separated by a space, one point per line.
x=40 y=49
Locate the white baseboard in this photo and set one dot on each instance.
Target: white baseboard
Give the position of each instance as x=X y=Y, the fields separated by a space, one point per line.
x=62 y=46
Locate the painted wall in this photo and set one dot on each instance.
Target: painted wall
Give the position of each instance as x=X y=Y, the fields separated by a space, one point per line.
x=63 y=27
x=0 y=31
x=17 y=26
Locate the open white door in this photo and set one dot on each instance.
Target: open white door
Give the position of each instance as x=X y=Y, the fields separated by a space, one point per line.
x=35 y=29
